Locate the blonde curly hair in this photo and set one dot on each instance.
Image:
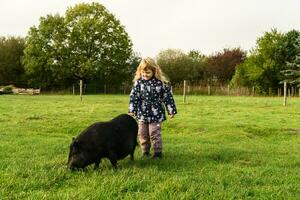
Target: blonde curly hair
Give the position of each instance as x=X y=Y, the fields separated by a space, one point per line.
x=150 y=64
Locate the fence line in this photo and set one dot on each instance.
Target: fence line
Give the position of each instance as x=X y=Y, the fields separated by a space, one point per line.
x=190 y=89
x=226 y=90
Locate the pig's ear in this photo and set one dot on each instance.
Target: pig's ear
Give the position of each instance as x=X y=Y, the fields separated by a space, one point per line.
x=75 y=146
x=75 y=143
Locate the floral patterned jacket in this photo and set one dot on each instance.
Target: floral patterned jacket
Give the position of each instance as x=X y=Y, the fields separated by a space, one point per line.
x=148 y=98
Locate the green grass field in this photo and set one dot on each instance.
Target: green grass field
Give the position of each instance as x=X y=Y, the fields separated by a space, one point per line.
x=215 y=148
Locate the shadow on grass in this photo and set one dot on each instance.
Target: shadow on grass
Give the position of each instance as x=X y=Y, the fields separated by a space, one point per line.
x=181 y=160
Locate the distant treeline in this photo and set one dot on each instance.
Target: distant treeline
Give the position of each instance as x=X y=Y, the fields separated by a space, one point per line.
x=88 y=43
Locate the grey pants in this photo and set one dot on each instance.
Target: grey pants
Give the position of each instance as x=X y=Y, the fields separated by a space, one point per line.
x=150 y=133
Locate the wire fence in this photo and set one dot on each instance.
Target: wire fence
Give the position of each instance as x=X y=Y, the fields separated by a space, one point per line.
x=189 y=89
x=226 y=90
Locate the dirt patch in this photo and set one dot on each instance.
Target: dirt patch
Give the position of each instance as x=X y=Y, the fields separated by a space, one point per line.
x=294 y=131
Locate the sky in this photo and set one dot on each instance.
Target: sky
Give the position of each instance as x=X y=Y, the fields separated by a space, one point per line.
x=208 y=26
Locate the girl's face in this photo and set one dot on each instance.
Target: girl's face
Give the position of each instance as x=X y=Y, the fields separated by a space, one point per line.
x=147 y=74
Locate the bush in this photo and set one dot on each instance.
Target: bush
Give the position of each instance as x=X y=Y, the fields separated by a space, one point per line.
x=7 y=89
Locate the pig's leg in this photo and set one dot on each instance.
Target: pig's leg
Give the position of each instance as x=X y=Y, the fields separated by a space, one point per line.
x=113 y=159
x=132 y=155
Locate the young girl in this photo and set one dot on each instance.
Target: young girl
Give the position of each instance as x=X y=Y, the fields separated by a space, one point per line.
x=149 y=94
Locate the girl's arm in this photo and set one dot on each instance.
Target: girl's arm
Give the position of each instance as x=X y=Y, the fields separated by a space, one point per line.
x=169 y=100
x=134 y=100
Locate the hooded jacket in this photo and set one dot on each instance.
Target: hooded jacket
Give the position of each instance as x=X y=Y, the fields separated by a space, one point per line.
x=148 y=99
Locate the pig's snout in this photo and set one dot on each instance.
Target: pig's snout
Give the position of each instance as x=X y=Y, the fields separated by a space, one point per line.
x=76 y=162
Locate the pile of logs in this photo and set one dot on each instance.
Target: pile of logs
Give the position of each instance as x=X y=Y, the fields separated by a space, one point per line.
x=26 y=91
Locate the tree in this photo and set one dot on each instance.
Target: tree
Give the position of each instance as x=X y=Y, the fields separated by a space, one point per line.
x=196 y=55
x=43 y=55
x=246 y=72
x=179 y=66
x=96 y=42
x=262 y=69
x=133 y=63
x=88 y=43
x=292 y=73
x=222 y=65
x=198 y=66
x=174 y=64
x=11 y=67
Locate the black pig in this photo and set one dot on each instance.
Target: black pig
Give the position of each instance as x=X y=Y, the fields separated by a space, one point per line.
x=114 y=140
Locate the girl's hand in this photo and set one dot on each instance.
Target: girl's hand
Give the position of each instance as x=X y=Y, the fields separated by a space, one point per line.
x=131 y=114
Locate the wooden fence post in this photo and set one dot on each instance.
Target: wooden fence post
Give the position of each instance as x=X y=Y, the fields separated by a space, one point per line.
x=184 y=90
x=284 y=93
x=228 y=90
x=208 y=90
x=80 y=85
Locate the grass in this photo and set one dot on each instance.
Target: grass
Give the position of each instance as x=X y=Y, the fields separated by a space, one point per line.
x=215 y=148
